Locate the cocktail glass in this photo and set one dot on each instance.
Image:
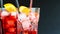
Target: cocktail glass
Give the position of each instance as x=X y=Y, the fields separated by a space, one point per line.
x=29 y=23
x=9 y=22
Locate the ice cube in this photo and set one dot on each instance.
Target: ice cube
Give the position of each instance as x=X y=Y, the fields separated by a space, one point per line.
x=4 y=13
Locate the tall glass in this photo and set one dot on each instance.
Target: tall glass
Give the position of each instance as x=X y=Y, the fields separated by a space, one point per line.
x=8 y=20
x=9 y=23
x=30 y=23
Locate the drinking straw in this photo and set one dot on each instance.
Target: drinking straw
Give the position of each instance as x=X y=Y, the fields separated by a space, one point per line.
x=31 y=1
x=17 y=3
x=1 y=4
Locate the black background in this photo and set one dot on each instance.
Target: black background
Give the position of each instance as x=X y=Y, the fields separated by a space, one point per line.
x=50 y=15
x=23 y=2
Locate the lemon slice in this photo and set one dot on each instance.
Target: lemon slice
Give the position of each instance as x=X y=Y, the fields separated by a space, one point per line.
x=24 y=10
x=10 y=7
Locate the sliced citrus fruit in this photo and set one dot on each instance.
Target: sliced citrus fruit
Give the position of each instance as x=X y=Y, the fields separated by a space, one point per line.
x=24 y=10
x=10 y=7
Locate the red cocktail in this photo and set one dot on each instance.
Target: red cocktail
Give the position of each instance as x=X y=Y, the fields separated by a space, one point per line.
x=9 y=24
